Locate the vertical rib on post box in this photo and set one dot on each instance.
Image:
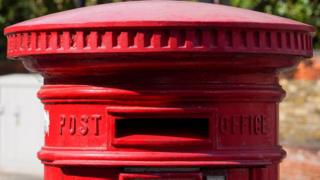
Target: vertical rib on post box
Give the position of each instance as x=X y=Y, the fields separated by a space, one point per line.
x=160 y=89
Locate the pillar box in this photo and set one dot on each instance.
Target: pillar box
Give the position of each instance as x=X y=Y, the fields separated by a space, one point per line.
x=160 y=90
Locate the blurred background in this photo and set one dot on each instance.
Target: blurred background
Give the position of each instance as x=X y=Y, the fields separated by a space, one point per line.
x=22 y=121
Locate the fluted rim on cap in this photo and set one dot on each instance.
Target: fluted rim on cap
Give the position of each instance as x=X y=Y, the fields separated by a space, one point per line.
x=159 y=26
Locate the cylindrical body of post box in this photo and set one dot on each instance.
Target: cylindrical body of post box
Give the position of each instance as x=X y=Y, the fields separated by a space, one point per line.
x=160 y=90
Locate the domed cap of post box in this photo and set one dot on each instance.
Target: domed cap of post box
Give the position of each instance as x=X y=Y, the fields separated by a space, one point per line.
x=158 y=27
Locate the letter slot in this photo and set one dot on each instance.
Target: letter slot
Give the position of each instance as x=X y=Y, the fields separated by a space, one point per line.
x=161 y=176
x=161 y=131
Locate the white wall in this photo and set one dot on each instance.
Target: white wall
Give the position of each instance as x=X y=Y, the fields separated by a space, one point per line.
x=21 y=124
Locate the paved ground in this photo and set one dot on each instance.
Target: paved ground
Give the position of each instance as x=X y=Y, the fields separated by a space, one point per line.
x=300 y=164
x=6 y=176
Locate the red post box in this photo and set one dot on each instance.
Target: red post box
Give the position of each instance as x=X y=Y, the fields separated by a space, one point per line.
x=160 y=90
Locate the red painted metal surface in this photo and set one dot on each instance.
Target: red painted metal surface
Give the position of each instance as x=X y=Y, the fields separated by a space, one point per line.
x=160 y=89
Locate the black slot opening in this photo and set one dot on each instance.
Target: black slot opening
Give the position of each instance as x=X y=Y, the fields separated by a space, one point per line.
x=157 y=128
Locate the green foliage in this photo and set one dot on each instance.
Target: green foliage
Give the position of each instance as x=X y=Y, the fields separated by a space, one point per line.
x=13 y=11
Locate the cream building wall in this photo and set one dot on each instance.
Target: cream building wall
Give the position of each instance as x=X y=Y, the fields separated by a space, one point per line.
x=21 y=124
